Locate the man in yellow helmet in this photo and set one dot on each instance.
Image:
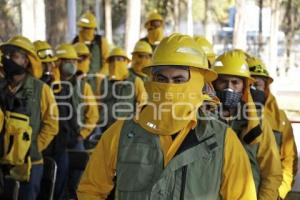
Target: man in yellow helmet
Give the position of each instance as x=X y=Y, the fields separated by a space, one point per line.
x=211 y=101
x=84 y=58
x=238 y=110
x=280 y=124
x=82 y=100
x=97 y=45
x=141 y=57
x=155 y=29
x=30 y=111
x=166 y=152
x=121 y=93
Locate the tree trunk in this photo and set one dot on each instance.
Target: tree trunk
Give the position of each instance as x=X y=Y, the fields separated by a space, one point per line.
x=289 y=36
x=108 y=21
x=239 y=32
x=273 y=46
x=260 y=35
x=133 y=21
x=56 y=21
x=176 y=15
x=71 y=19
x=33 y=18
x=190 y=23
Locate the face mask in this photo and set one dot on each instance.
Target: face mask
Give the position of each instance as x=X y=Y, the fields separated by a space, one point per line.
x=171 y=107
x=258 y=96
x=155 y=35
x=229 y=98
x=139 y=63
x=68 y=70
x=11 y=68
x=47 y=78
x=84 y=66
x=86 y=35
x=118 y=70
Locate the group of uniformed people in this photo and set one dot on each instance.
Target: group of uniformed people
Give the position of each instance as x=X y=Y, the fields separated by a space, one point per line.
x=180 y=123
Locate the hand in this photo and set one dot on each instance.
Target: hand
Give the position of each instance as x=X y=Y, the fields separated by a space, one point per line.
x=79 y=138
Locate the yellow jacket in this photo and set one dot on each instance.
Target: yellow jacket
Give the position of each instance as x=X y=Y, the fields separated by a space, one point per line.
x=1 y=119
x=288 y=151
x=49 y=114
x=91 y=114
x=288 y=155
x=105 y=53
x=97 y=180
x=269 y=164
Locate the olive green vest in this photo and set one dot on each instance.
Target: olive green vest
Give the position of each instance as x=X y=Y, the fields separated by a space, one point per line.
x=31 y=91
x=77 y=100
x=251 y=149
x=119 y=99
x=194 y=173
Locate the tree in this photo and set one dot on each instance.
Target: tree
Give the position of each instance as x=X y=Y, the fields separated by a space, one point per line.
x=133 y=21
x=239 y=33
x=56 y=21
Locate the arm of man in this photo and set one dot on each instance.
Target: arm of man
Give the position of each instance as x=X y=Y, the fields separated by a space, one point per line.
x=237 y=180
x=289 y=158
x=97 y=179
x=49 y=113
x=269 y=163
x=91 y=114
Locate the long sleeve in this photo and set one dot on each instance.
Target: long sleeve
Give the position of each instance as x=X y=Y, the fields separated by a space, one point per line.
x=91 y=114
x=97 y=179
x=269 y=164
x=237 y=180
x=140 y=92
x=49 y=113
x=288 y=154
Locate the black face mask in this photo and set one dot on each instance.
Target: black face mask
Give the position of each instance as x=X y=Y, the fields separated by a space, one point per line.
x=258 y=96
x=229 y=98
x=11 y=68
x=47 y=78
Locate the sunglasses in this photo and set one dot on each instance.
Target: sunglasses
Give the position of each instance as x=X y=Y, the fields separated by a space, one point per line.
x=117 y=59
x=83 y=58
x=155 y=23
x=45 y=53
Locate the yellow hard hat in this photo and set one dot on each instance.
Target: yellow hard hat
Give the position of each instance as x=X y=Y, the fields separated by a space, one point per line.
x=117 y=51
x=247 y=55
x=142 y=47
x=66 y=51
x=87 y=20
x=25 y=44
x=232 y=63
x=258 y=68
x=153 y=16
x=207 y=48
x=21 y=42
x=44 y=51
x=81 y=49
x=181 y=50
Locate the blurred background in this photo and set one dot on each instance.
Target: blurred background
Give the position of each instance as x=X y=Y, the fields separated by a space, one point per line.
x=269 y=29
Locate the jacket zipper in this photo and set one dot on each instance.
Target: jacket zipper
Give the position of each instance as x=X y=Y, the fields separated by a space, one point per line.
x=183 y=180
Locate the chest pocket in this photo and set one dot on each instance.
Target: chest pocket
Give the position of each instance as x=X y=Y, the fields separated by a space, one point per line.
x=138 y=159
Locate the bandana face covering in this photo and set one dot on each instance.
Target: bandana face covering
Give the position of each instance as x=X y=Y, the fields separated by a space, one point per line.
x=229 y=98
x=118 y=70
x=139 y=63
x=171 y=106
x=155 y=35
x=86 y=34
